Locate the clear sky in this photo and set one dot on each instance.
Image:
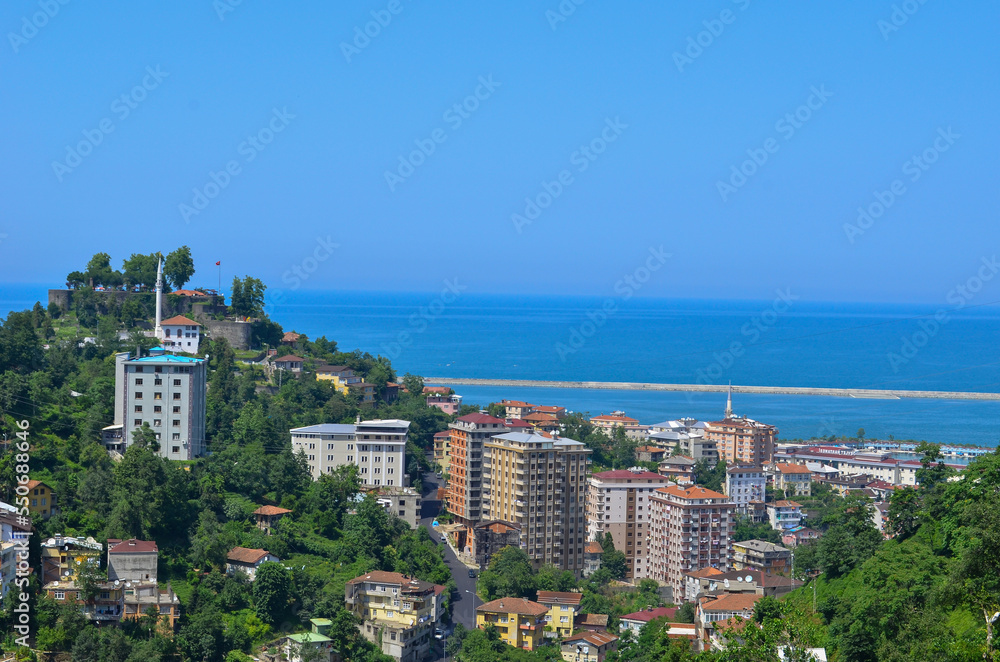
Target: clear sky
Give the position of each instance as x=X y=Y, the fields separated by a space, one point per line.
x=311 y=115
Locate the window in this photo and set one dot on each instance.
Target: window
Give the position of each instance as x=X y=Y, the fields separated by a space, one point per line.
x=137 y=422
x=177 y=410
x=157 y=409
x=44 y=501
x=177 y=382
x=156 y=422
x=157 y=382
x=158 y=395
x=175 y=436
x=138 y=395
x=138 y=381
x=34 y=502
x=138 y=409
x=138 y=368
x=177 y=396
x=350 y=458
x=60 y=595
x=176 y=422
x=175 y=449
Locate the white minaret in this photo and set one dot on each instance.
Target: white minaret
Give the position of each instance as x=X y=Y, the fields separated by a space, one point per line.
x=158 y=331
x=729 y=402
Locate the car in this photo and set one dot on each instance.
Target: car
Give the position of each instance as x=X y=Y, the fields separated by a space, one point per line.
x=438 y=474
x=444 y=539
x=438 y=633
x=472 y=574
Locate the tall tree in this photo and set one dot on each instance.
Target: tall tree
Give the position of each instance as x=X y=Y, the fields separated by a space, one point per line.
x=247 y=299
x=20 y=346
x=140 y=271
x=271 y=589
x=179 y=267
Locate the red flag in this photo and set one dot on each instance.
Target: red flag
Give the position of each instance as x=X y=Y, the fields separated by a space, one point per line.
x=218 y=263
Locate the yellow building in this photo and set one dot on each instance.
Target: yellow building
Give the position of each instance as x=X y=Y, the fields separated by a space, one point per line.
x=398 y=611
x=520 y=622
x=563 y=608
x=62 y=557
x=341 y=376
x=442 y=446
x=41 y=499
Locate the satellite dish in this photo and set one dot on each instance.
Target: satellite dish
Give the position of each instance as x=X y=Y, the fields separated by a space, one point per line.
x=725 y=582
x=117 y=582
x=66 y=573
x=749 y=578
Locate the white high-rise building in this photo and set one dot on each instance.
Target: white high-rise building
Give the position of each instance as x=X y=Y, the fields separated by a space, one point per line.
x=167 y=392
x=745 y=485
x=377 y=448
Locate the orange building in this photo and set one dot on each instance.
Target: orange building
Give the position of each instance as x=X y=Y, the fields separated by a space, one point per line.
x=465 y=464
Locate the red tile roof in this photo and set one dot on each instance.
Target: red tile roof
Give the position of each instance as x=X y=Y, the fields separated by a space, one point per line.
x=32 y=484
x=271 y=510
x=132 y=546
x=791 y=468
x=625 y=473
x=593 y=620
x=593 y=638
x=559 y=598
x=593 y=547
x=481 y=419
x=516 y=423
x=732 y=602
x=188 y=293
x=649 y=614
x=515 y=403
x=786 y=504
x=514 y=606
x=692 y=492
x=246 y=555
x=290 y=336
x=442 y=434
x=704 y=572
x=179 y=320
x=608 y=417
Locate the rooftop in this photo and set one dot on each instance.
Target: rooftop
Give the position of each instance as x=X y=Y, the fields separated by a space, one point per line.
x=628 y=473
x=592 y=638
x=593 y=620
x=691 y=492
x=792 y=468
x=514 y=606
x=326 y=428
x=132 y=546
x=649 y=614
x=761 y=546
x=167 y=358
x=246 y=555
x=481 y=419
x=731 y=602
x=179 y=320
x=559 y=598
x=593 y=547
x=271 y=510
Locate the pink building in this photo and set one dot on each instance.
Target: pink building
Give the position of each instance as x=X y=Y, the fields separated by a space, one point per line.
x=449 y=404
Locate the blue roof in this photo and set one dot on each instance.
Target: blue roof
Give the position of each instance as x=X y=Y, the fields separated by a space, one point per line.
x=168 y=358
x=157 y=349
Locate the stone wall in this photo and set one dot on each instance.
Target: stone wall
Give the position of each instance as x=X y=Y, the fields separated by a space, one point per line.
x=237 y=333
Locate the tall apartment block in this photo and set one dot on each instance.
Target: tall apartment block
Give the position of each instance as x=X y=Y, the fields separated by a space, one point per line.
x=465 y=464
x=168 y=393
x=745 y=485
x=742 y=440
x=618 y=502
x=691 y=529
x=377 y=448
x=539 y=484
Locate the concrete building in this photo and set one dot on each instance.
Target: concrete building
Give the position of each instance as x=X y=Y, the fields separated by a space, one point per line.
x=488 y=538
x=181 y=334
x=341 y=376
x=592 y=553
x=685 y=436
x=520 y=622
x=678 y=468
x=377 y=448
x=761 y=555
x=588 y=646
x=618 y=503
x=398 y=611
x=784 y=515
x=743 y=440
x=167 y=393
x=317 y=638
x=792 y=479
x=132 y=560
x=442 y=446
x=41 y=499
x=607 y=423
x=539 y=484
x=563 y=608
x=404 y=502
x=248 y=561
x=449 y=404
x=469 y=433
x=745 y=485
x=691 y=528
x=63 y=556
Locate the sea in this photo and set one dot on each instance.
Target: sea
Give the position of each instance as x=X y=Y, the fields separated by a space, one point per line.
x=778 y=342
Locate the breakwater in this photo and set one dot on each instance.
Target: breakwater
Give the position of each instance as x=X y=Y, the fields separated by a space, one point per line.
x=884 y=394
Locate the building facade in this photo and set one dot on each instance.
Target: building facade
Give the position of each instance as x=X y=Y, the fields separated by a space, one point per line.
x=520 y=622
x=377 y=448
x=132 y=560
x=618 y=503
x=792 y=479
x=563 y=608
x=181 y=334
x=465 y=464
x=398 y=611
x=691 y=529
x=488 y=538
x=761 y=555
x=745 y=485
x=167 y=393
x=743 y=440
x=539 y=484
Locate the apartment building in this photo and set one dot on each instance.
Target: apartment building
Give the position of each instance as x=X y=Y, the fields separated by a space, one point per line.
x=607 y=423
x=792 y=479
x=588 y=647
x=516 y=408
x=784 y=515
x=678 y=468
x=745 y=485
x=397 y=611
x=377 y=448
x=132 y=560
x=743 y=440
x=539 y=484
x=563 y=608
x=691 y=529
x=761 y=555
x=469 y=433
x=442 y=449
x=63 y=556
x=618 y=503
x=166 y=392
x=685 y=436
x=449 y=404
x=520 y=622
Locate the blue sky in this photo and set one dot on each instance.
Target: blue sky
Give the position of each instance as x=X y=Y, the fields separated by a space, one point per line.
x=347 y=115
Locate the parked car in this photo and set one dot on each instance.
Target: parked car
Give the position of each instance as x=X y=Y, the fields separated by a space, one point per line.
x=444 y=539
x=438 y=633
x=472 y=574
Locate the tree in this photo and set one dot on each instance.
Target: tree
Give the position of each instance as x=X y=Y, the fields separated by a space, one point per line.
x=76 y=280
x=247 y=298
x=861 y=433
x=99 y=271
x=20 y=347
x=509 y=574
x=904 y=512
x=179 y=267
x=140 y=271
x=271 y=591
x=414 y=384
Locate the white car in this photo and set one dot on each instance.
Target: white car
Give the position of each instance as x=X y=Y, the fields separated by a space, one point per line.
x=438 y=633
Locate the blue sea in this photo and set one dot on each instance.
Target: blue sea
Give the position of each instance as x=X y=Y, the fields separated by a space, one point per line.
x=779 y=342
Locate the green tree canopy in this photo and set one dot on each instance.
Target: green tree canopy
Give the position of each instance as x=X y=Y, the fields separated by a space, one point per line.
x=179 y=267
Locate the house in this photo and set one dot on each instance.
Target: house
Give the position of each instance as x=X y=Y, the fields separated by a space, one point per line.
x=138 y=597
x=397 y=611
x=391 y=392
x=649 y=454
x=636 y=620
x=315 y=638
x=247 y=561
x=593 y=622
x=437 y=390
x=745 y=581
x=403 y=502
x=492 y=536
x=880 y=516
x=798 y=535
x=592 y=553
x=442 y=441
x=517 y=425
x=542 y=421
x=132 y=560
x=266 y=517
x=679 y=468
x=516 y=408
x=341 y=376
x=760 y=555
x=693 y=581
x=558 y=412
x=181 y=334
x=520 y=622
x=784 y=515
x=563 y=608
x=792 y=479
x=607 y=423
x=42 y=500
x=364 y=391
x=449 y=404
x=291 y=339
x=588 y=646
x=288 y=363
x=63 y=556
x=106 y=605
x=712 y=613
